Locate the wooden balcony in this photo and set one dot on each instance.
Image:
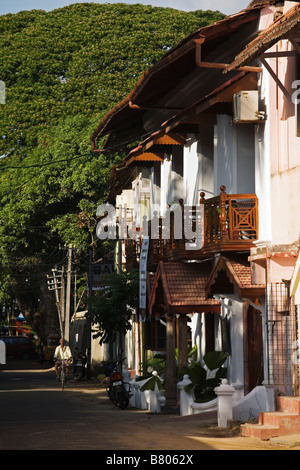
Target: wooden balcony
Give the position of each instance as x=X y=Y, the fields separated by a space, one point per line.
x=229 y=223
x=225 y=223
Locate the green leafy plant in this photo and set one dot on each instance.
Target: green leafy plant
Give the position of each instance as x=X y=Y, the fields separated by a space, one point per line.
x=158 y=363
x=205 y=378
x=155 y=363
x=192 y=352
x=151 y=382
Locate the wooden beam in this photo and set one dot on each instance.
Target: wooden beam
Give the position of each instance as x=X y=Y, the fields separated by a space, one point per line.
x=154 y=108
x=267 y=55
x=216 y=65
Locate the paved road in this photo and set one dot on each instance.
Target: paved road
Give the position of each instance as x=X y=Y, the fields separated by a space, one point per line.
x=36 y=415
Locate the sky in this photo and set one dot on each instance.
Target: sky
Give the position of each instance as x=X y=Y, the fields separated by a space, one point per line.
x=228 y=7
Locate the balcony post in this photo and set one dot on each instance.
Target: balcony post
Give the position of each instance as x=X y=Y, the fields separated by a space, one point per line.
x=181 y=242
x=202 y=198
x=205 y=232
x=223 y=217
x=182 y=340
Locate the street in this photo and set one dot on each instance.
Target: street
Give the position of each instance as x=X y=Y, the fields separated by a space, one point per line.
x=37 y=415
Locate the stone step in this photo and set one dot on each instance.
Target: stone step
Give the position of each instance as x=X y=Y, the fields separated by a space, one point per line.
x=259 y=431
x=286 y=421
x=289 y=404
x=279 y=418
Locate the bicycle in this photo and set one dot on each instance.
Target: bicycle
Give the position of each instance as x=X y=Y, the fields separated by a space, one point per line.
x=62 y=374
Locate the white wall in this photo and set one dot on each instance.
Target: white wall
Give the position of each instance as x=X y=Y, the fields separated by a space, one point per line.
x=234 y=156
x=277 y=156
x=165 y=193
x=262 y=181
x=191 y=172
x=234 y=310
x=224 y=156
x=199 y=165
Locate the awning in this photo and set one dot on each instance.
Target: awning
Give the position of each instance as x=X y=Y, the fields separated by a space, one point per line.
x=282 y=28
x=181 y=288
x=151 y=89
x=138 y=155
x=153 y=148
x=232 y=275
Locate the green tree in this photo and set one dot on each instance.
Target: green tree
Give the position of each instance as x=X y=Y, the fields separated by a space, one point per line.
x=112 y=307
x=63 y=70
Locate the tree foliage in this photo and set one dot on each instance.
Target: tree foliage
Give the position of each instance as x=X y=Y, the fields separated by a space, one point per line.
x=63 y=70
x=111 y=309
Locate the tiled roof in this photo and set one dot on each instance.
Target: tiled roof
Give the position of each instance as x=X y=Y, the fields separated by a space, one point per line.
x=238 y=271
x=184 y=287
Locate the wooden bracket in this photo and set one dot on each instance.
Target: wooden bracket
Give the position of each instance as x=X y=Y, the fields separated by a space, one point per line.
x=274 y=76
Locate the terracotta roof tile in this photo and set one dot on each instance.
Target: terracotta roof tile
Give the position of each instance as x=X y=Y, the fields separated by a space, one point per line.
x=184 y=287
x=238 y=271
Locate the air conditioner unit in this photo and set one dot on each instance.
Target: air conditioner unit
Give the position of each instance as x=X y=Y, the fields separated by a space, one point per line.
x=246 y=107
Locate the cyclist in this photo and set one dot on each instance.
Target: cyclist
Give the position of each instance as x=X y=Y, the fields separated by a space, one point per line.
x=62 y=354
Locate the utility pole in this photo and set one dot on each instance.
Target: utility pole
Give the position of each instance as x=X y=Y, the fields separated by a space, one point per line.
x=62 y=299
x=68 y=295
x=55 y=283
x=89 y=335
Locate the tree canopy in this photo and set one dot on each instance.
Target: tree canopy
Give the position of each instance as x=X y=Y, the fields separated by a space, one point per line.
x=63 y=70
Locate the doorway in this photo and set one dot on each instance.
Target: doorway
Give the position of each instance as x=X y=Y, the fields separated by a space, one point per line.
x=254 y=348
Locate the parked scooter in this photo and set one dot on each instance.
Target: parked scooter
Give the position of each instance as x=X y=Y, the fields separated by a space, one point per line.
x=79 y=363
x=118 y=391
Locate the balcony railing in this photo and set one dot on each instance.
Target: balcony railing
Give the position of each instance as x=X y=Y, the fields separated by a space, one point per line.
x=230 y=218
x=228 y=222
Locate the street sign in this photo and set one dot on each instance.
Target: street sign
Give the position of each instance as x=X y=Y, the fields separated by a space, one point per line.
x=101 y=271
x=143 y=278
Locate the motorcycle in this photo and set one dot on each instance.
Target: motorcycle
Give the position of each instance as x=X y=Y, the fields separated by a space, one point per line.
x=79 y=363
x=118 y=391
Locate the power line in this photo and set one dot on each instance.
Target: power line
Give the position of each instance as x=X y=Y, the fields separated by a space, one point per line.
x=91 y=153
x=39 y=165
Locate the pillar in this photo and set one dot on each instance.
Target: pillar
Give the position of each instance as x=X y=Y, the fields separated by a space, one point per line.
x=224 y=393
x=182 y=341
x=171 y=388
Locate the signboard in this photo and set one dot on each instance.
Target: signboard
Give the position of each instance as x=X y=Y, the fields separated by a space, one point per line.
x=100 y=273
x=143 y=278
